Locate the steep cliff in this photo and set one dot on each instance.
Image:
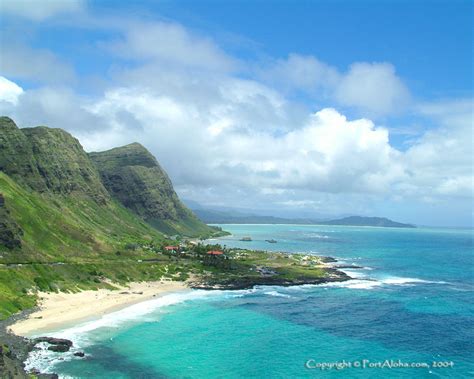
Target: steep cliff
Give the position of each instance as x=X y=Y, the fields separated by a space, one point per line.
x=133 y=176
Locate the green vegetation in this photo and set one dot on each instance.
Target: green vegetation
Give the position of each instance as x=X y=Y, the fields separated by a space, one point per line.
x=133 y=176
x=48 y=160
x=70 y=221
x=240 y=268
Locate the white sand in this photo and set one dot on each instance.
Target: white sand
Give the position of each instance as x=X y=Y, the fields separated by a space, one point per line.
x=65 y=309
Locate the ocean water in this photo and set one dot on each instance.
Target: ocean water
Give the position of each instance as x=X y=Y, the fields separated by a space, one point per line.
x=411 y=304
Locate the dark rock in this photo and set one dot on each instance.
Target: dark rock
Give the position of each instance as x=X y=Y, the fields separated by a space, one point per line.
x=79 y=354
x=247 y=282
x=59 y=348
x=54 y=341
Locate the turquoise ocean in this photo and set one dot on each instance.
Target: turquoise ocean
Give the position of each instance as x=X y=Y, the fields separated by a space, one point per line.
x=412 y=304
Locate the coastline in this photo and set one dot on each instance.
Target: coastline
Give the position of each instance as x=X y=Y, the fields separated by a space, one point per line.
x=56 y=311
x=59 y=310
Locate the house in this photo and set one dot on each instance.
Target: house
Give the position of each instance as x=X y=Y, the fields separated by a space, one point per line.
x=215 y=252
x=172 y=249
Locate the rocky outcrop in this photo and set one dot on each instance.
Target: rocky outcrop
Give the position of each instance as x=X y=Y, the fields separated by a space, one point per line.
x=59 y=345
x=248 y=282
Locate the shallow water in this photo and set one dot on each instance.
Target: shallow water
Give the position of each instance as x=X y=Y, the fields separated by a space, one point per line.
x=412 y=302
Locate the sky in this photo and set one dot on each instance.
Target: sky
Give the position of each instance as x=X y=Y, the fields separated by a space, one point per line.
x=289 y=108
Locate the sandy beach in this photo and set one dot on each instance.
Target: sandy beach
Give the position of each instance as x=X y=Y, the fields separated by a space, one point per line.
x=58 y=310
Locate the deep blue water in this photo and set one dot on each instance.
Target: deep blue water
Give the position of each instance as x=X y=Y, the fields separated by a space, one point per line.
x=413 y=302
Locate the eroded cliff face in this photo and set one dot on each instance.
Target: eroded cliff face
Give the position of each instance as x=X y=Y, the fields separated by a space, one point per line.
x=16 y=156
x=133 y=176
x=48 y=160
x=46 y=176
x=10 y=232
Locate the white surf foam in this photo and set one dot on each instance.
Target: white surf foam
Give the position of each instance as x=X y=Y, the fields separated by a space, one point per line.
x=276 y=294
x=395 y=280
x=353 y=273
x=368 y=283
x=354 y=284
x=316 y=235
x=133 y=312
x=44 y=359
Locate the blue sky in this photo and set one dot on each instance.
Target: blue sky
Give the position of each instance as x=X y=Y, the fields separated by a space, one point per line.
x=301 y=107
x=425 y=40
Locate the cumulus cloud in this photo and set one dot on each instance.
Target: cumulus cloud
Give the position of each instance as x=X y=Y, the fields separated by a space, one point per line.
x=227 y=140
x=171 y=44
x=9 y=91
x=441 y=160
x=373 y=87
x=40 y=10
x=52 y=106
x=301 y=72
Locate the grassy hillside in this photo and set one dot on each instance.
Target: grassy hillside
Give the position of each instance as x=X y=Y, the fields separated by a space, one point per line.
x=70 y=244
x=60 y=227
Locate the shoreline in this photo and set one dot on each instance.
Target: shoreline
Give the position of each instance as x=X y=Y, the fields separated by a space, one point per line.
x=56 y=311
x=60 y=310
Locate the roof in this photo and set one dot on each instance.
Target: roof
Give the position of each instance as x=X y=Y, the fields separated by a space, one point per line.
x=171 y=247
x=215 y=252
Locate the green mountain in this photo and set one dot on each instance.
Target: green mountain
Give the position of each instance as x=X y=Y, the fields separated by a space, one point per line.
x=211 y=216
x=234 y=217
x=133 y=177
x=367 y=221
x=66 y=225
x=48 y=160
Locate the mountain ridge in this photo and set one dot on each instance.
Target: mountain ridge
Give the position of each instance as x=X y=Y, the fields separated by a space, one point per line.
x=226 y=217
x=48 y=160
x=52 y=163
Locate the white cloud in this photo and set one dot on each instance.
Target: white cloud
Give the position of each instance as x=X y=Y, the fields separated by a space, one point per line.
x=230 y=140
x=53 y=106
x=37 y=65
x=441 y=161
x=9 y=91
x=171 y=44
x=301 y=72
x=40 y=10
x=373 y=87
x=222 y=143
